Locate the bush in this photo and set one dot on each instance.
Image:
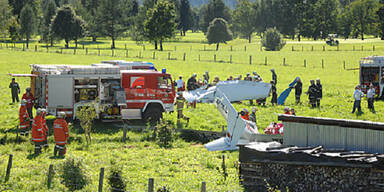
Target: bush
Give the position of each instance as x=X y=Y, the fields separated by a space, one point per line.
x=272 y=40
x=115 y=179
x=164 y=133
x=73 y=176
x=163 y=189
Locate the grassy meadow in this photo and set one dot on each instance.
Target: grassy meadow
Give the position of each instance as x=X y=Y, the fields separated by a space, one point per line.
x=186 y=165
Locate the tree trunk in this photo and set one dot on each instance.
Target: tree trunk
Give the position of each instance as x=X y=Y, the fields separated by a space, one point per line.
x=181 y=32
x=217 y=46
x=362 y=35
x=113 y=43
x=250 y=38
x=94 y=38
x=299 y=37
x=155 y=45
x=51 y=39
x=66 y=43
x=161 y=45
x=76 y=43
x=27 y=42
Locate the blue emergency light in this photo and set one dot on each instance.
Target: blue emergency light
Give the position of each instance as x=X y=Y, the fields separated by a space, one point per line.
x=163 y=70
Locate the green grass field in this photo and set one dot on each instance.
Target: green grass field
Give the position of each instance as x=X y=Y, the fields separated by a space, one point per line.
x=186 y=165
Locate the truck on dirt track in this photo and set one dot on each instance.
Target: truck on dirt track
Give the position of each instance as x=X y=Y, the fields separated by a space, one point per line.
x=117 y=89
x=372 y=71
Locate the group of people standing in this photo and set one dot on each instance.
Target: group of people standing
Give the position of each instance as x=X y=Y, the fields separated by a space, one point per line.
x=40 y=130
x=315 y=93
x=38 y=124
x=358 y=94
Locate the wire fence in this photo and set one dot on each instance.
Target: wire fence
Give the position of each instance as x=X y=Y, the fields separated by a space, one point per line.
x=76 y=182
x=201 y=55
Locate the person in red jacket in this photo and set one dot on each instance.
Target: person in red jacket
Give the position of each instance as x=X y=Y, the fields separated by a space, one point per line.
x=30 y=100
x=45 y=129
x=60 y=132
x=24 y=118
x=244 y=114
x=37 y=131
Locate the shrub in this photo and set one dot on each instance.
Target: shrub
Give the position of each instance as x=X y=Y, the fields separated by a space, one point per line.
x=164 y=133
x=86 y=116
x=163 y=189
x=73 y=175
x=115 y=179
x=272 y=40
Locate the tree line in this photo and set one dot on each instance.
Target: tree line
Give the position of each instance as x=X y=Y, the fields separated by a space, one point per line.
x=156 y=21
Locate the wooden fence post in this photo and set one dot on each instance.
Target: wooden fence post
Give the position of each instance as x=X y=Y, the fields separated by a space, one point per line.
x=125 y=130
x=154 y=55
x=312 y=48
x=337 y=47
x=305 y=63
x=224 y=168
x=74 y=51
x=293 y=49
x=204 y=47
x=50 y=170
x=344 y=65
x=6 y=45
x=214 y=57
x=284 y=61
x=245 y=48
x=86 y=51
x=143 y=47
x=47 y=49
x=231 y=47
x=266 y=61
x=322 y=63
x=83 y=46
x=302 y=48
x=23 y=47
x=169 y=55
x=184 y=57
x=250 y=59
x=199 y=57
x=125 y=46
x=150 y=185
x=353 y=48
x=101 y=177
x=203 y=187
x=139 y=54
x=230 y=59
x=112 y=52
x=99 y=51
x=35 y=48
x=61 y=50
x=362 y=48
x=373 y=48
x=175 y=47
x=323 y=48
x=8 y=173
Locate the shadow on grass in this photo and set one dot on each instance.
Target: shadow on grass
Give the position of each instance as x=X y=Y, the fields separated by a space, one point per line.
x=32 y=156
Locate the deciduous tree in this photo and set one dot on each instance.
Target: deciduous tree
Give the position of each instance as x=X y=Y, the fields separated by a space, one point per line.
x=160 y=23
x=214 y=9
x=27 y=23
x=218 y=32
x=244 y=19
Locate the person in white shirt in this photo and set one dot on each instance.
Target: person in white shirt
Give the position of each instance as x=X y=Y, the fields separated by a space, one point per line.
x=180 y=84
x=370 y=97
x=357 y=96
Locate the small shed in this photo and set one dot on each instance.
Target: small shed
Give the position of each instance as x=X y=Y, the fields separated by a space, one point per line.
x=352 y=135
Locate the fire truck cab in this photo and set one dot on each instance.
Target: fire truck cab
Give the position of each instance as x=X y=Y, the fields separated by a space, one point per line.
x=372 y=71
x=115 y=92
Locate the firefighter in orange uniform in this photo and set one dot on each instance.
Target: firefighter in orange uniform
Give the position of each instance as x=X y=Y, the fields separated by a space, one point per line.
x=180 y=100
x=24 y=118
x=37 y=131
x=60 y=132
x=45 y=129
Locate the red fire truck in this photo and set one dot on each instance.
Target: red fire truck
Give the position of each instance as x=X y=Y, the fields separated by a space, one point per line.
x=372 y=71
x=115 y=92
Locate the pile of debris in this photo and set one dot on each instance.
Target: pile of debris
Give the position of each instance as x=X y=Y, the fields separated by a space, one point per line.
x=271 y=166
